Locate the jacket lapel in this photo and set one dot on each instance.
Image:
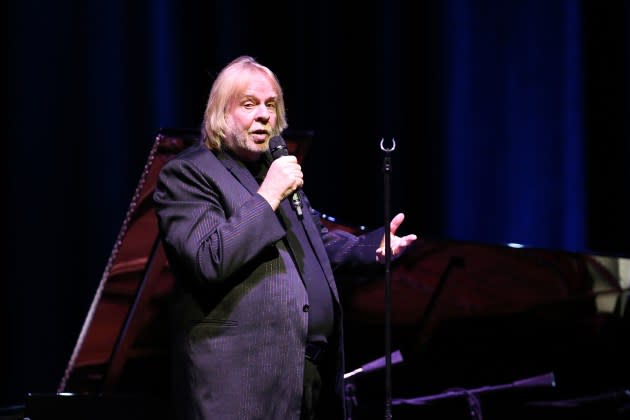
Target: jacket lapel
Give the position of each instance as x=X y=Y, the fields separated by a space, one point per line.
x=239 y=170
x=309 y=235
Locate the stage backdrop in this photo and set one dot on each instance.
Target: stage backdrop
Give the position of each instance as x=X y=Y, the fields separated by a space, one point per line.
x=511 y=122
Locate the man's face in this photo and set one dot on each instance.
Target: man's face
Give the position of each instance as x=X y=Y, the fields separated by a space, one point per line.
x=251 y=117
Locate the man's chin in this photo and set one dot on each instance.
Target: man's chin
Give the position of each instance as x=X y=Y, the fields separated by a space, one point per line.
x=262 y=139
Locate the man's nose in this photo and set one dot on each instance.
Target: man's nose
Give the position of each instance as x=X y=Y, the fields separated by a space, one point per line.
x=262 y=112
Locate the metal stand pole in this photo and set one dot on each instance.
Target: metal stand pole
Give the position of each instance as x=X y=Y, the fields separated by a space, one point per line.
x=387 y=167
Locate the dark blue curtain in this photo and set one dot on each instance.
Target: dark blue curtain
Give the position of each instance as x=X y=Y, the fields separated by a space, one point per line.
x=510 y=120
x=514 y=167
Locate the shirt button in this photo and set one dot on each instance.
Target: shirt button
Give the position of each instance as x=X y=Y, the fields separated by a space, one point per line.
x=306 y=308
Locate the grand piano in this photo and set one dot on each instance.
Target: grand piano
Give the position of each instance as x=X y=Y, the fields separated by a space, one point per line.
x=473 y=323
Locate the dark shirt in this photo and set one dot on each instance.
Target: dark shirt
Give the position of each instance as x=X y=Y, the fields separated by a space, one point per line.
x=321 y=312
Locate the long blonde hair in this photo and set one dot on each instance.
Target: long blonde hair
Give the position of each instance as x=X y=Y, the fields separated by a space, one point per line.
x=229 y=83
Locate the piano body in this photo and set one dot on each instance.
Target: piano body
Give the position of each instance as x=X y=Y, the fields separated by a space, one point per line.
x=464 y=315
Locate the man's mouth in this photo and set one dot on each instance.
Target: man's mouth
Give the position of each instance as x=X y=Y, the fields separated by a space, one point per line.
x=259 y=135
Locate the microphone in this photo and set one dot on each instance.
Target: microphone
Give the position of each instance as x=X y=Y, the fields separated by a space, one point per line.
x=376 y=364
x=278 y=147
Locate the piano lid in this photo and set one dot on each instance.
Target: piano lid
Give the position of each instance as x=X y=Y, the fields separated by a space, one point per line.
x=123 y=322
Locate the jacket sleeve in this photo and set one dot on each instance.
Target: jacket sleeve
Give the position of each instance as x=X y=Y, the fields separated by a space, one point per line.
x=346 y=251
x=211 y=225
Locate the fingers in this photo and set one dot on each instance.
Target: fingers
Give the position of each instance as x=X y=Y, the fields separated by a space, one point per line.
x=398 y=246
x=286 y=170
x=396 y=222
x=393 y=227
x=407 y=240
x=282 y=179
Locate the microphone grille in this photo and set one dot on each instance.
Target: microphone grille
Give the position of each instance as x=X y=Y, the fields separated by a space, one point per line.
x=278 y=147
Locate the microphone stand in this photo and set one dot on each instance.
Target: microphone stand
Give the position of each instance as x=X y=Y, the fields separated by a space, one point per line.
x=474 y=404
x=387 y=167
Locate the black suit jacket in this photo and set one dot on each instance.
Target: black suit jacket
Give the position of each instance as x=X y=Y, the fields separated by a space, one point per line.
x=239 y=313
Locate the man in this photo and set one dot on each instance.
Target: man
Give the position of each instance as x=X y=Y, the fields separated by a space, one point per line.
x=256 y=315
